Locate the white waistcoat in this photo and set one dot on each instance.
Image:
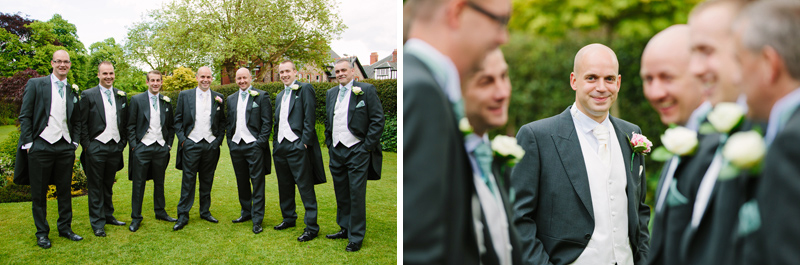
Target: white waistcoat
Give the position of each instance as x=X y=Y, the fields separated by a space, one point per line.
x=111 y=131
x=202 y=119
x=284 y=130
x=153 y=134
x=241 y=132
x=57 y=122
x=340 y=133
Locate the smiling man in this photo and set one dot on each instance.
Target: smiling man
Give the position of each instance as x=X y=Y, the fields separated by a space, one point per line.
x=103 y=136
x=580 y=187
x=352 y=133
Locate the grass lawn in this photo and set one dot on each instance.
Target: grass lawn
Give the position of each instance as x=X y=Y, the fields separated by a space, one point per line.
x=201 y=241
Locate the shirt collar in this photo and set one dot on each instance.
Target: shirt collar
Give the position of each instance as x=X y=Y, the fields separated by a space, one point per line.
x=107 y=89
x=150 y=95
x=698 y=115
x=583 y=123
x=200 y=91
x=349 y=84
x=788 y=103
x=444 y=71
x=293 y=82
x=53 y=79
x=472 y=141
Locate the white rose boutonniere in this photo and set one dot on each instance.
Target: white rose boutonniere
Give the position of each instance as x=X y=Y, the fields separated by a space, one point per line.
x=464 y=126
x=294 y=87
x=745 y=150
x=75 y=88
x=121 y=93
x=680 y=141
x=253 y=93
x=506 y=148
x=166 y=99
x=726 y=116
x=357 y=90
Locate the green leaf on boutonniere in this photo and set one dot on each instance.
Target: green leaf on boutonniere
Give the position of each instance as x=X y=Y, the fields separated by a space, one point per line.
x=728 y=171
x=661 y=154
x=706 y=128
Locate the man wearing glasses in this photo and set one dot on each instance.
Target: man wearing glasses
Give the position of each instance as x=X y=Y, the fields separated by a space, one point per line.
x=49 y=134
x=448 y=40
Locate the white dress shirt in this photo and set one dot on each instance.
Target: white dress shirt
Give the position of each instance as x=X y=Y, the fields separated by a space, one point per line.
x=241 y=132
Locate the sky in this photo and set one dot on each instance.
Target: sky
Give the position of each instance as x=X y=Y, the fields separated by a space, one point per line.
x=371 y=24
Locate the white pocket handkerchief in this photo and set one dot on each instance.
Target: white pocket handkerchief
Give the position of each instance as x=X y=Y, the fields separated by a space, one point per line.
x=255 y=105
x=360 y=104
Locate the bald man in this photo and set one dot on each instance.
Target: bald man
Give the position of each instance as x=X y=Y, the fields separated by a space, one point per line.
x=678 y=98
x=580 y=187
x=199 y=126
x=249 y=124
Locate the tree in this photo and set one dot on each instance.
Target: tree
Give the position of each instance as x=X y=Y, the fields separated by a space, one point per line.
x=182 y=78
x=14 y=50
x=129 y=78
x=232 y=33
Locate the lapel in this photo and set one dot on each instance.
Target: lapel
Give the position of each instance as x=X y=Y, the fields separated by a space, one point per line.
x=118 y=100
x=47 y=94
x=331 y=103
x=292 y=94
x=102 y=105
x=630 y=189
x=569 y=150
x=147 y=105
x=278 y=103
x=249 y=106
x=161 y=110
x=234 y=106
x=352 y=105
x=68 y=94
x=193 y=103
x=214 y=105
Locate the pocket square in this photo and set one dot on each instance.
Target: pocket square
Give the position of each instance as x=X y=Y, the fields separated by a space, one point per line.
x=217 y=108
x=674 y=197
x=296 y=97
x=123 y=105
x=640 y=169
x=360 y=104
x=74 y=100
x=749 y=218
x=255 y=105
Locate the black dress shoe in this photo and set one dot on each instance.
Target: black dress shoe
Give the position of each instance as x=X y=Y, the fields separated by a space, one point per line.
x=71 y=236
x=257 y=229
x=284 y=225
x=353 y=247
x=115 y=222
x=242 y=219
x=339 y=235
x=43 y=242
x=306 y=236
x=134 y=226
x=210 y=219
x=100 y=232
x=166 y=218
x=179 y=225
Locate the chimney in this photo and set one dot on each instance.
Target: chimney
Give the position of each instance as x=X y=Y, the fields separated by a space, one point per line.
x=394 y=56
x=373 y=58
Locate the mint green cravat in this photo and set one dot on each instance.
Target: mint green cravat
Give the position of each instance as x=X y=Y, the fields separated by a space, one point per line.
x=60 y=88
x=342 y=91
x=483 y=154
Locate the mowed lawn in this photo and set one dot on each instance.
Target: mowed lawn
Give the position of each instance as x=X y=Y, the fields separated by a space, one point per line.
x=201 y=241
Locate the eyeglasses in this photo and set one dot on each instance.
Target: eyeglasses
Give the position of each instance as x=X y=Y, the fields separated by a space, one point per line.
x=502 y=20
x=58 y=62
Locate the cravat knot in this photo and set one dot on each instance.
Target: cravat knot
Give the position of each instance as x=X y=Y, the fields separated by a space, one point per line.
x=60 y=88
x=342 y=91
x=108 y=96
x=244 y=95
x=601 y=133
x=484 y=155
x=155 y=102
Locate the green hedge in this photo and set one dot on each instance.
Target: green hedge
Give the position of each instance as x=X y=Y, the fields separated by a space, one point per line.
x=387 y=92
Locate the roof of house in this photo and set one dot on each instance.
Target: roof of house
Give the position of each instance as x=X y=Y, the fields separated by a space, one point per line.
x=382 y=63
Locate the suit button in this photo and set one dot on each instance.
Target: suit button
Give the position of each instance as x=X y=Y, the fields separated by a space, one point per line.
x=587 y=236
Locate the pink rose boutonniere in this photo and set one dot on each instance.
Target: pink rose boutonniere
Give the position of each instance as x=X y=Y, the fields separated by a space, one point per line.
x=218 y=99
x=640 y=144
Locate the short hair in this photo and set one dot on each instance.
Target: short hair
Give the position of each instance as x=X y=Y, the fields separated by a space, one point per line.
x=104 y=63
x=294 y=67
x=737 y=5
x=155 y=72
x=422 y=10
x=350 y=63
x=774 y=24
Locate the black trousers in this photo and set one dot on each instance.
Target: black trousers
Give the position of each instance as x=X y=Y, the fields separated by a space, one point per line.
x=349 y=172
x=101 y=164
x=51 y=163
x=198 y=159
x=150 y=160
x=292 y=167
x=248 y=164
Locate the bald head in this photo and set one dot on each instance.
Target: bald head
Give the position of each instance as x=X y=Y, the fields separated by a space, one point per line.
x=594 y=50
x=672 y=41
x=204 y=78
x=243 y=78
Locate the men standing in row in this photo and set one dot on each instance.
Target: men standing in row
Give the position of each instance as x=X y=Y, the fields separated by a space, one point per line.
x=580 y=186
x=103 y=138
x=297 y=154
x=199 y=121
x=49 y=134
x=150 y=134
x=249 y=124
x=352 y=134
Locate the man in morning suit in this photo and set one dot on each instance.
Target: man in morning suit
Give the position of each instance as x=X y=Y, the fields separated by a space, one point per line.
x=297 y=155
x=352 y=133
x=580 y=187
x=438 y=225
x=150 y=134
x=249 y=124
x=199 y=126
x=49 y=123
x=677 y=97
x=103 y=138
x=768 y=48
x=486 y=99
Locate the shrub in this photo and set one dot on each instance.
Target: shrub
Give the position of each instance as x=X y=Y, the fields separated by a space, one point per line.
x=389 y=136
x=11 y=88
x=79 y=184
x=15 y=193
x=9 y=112
x=182 y=78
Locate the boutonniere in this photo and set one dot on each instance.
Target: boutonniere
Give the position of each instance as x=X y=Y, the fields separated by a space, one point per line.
x=357 y=91
x=218 y=99
x=165 y=99
x=743 y=151
x=75 y=88
x=507 y=150
x=119 y=92
x=726 y=116
x=253 y=93
x=294 y=87
x=677 y=140
x=640 y=144
x=464 y=126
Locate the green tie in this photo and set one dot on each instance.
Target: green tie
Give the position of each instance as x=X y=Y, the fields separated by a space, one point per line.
x=108 y=96
x=483 y=154
x=60 y=88
x=155 y=102
x=244 y=95
x=342 y=91
x=287 y=91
